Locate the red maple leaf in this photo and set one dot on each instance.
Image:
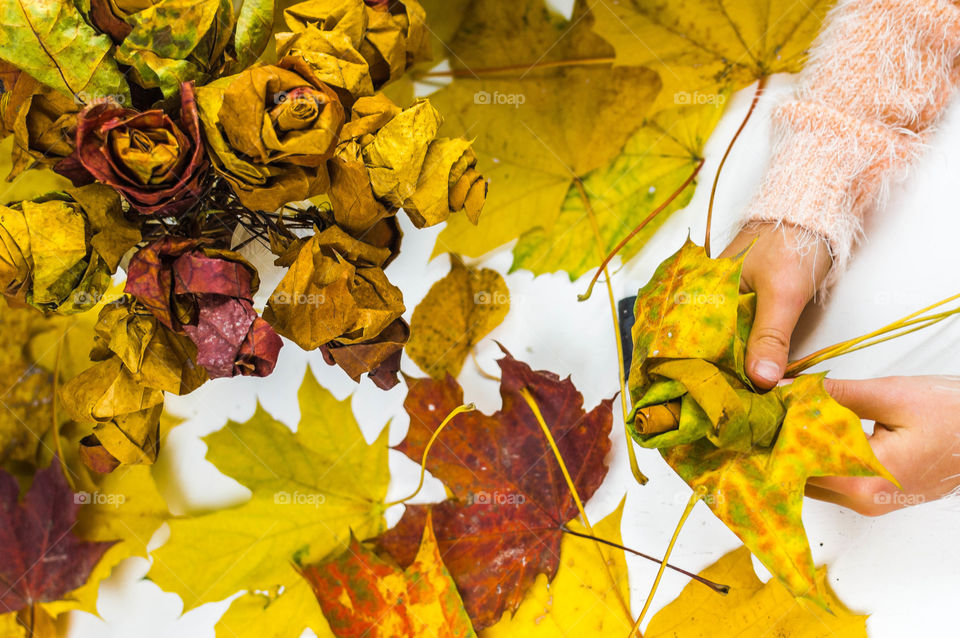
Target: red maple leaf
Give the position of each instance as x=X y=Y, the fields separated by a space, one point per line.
x=40 y=558
x=502 y=527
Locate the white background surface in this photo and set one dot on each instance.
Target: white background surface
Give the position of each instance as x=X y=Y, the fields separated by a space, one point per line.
x=903 y=568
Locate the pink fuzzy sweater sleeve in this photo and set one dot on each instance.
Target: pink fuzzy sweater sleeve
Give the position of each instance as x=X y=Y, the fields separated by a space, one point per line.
x=878 y=76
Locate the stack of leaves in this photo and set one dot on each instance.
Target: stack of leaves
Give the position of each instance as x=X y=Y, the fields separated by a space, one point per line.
x=502 y=525
x=753 y=452
x=589 y=125
x=184 y=132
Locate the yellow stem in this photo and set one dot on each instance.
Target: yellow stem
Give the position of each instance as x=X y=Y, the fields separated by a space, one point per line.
x=638 y=476
x=525 y=393
x=426 y=450
x=56 y=394
x=698 y=494
x=837 y=349
x=483 y=373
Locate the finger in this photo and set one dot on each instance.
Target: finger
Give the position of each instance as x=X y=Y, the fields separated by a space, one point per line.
x=769 y=342
x=886 y=399
x=868 y=495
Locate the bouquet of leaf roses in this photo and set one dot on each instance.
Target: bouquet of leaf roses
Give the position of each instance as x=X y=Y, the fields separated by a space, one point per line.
x=181 y=132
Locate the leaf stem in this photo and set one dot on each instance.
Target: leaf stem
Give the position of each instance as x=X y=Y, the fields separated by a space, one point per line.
x=717 y=587
x=495 y=70
x=913 y=321
x=623 y=242
x=525 y=393
x=761 y=83
x=638 y=476
x=698 y=494
x=56 y=394
x=426 y=450
x=483 y=373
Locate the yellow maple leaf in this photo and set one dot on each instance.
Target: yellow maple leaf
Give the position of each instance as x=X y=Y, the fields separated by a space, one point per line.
x=458 y=311
x=536 y=129
x=752 y=609
x=703 y=47
x=580 y=600
x=308 y=490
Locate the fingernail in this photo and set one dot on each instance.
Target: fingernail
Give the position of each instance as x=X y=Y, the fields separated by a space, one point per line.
x=767 y=370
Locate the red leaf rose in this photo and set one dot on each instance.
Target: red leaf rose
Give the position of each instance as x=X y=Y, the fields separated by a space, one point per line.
x=157 y=164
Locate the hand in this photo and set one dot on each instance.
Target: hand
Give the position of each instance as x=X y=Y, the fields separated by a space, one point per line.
x=785 y=280
x=916 y=437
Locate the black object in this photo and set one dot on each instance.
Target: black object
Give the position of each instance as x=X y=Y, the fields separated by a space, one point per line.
x=626 y=319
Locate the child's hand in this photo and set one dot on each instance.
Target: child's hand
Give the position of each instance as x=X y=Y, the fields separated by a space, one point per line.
x=916 y=437
x=785 y=281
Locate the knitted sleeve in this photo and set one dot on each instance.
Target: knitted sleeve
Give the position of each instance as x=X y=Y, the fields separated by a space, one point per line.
x=878 y=75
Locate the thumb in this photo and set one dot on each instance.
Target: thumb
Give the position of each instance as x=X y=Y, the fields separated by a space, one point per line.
x=769 y=342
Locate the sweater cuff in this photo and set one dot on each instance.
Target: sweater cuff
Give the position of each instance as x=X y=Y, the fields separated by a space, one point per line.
x=827 y=168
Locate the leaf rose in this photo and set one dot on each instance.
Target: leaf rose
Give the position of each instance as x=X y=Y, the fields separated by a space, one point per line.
x=43 y=122
x=206 y=293
x=57 y=252
x=137 y=360
x=354 y=46
x=334 y=290
x=270 y=131
x=158 y=164
x=391 y=158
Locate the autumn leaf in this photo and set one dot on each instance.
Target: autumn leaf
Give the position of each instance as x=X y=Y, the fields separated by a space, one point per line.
x=701 y=48
x=334 y=289
x=135 y=359
x=252 y=31
x=57 y=252
x=308 y=490
x=752 y=609
x=274 y=614
x=26 y=413
x=573 y=119
x=363 y=594
x=206 y=293
x=580 y=600
x=354 y=45
x=661 y=160
x=42 y=121
x=271 y=150
x=176 y=41
x=759 y=495
x=390 y=157
x=502 y=525
x=40 y=557
x=124 y=507
x=157 y=163
x=751 y=452
x=50 y=40
x=457 y=312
